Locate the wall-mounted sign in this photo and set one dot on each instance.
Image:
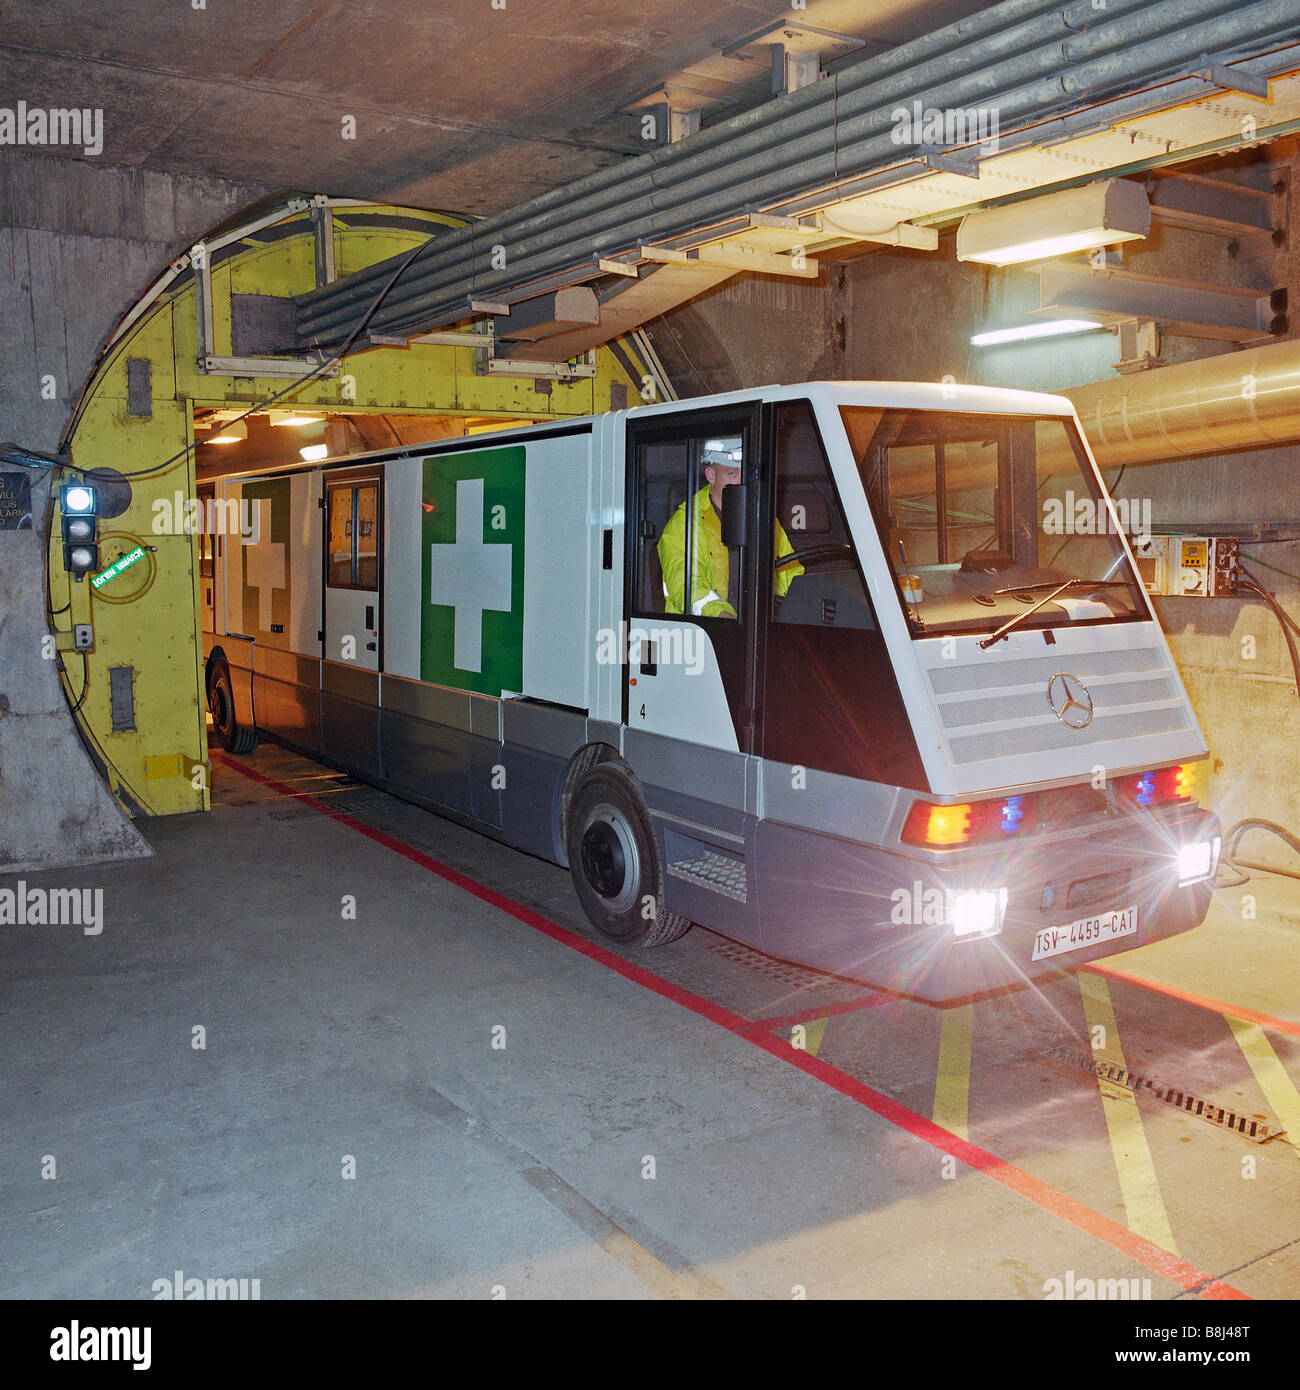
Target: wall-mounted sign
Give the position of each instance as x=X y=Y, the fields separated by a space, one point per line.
x=116 y=568
x=15 y=502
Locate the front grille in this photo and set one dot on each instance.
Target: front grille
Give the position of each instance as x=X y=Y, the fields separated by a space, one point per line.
x=1000 y=708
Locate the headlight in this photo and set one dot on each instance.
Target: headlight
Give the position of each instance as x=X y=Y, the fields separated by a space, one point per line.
x=1198 y=861
x=978 y=911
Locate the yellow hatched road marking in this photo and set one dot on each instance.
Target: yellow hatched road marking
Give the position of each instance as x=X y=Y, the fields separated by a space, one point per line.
x=952 y=1084
x=1138 y=1185
x=1279 y=1090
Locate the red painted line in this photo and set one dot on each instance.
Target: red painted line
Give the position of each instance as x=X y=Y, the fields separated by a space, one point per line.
x=1278 y=1025
x=847 y=1006
x=1059 y=1204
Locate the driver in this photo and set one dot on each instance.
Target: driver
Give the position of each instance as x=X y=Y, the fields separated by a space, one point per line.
x=716 y=571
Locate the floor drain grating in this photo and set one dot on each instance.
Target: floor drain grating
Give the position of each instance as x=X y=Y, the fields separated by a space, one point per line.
x=781 y=971
x=1246 y=1125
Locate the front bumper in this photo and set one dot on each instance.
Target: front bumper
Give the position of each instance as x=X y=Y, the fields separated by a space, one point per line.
x=901 y=932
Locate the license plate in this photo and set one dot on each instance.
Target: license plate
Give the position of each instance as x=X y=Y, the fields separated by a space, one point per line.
x=1087 y=931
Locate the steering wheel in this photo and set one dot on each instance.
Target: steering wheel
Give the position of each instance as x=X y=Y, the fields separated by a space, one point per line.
x=816 y=554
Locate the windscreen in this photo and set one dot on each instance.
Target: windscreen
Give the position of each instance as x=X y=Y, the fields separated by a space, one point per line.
x=983 y=517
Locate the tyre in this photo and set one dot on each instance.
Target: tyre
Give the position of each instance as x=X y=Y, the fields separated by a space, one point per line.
x=615 y=866
x=232 y=736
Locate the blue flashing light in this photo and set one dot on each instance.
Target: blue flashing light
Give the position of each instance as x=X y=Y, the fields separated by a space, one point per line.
x=1013 y=814
x=1146 y=789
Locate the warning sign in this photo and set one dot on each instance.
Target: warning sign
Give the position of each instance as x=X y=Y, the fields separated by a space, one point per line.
x=15 y=502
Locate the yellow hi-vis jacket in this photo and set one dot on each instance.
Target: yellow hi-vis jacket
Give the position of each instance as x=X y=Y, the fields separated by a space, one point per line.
x=712 y=561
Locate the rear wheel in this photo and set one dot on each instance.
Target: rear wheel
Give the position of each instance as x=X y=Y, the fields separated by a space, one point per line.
x=614 y=862
x=232 y=735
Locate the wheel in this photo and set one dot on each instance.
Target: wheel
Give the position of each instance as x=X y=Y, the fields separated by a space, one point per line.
x=614 y=863
x=232 y=736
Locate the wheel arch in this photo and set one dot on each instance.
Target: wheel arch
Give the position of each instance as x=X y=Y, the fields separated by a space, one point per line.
x=216 y=657
x=589 y=756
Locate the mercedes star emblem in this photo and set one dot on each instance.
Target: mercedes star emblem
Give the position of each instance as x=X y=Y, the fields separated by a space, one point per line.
x=1070 y=701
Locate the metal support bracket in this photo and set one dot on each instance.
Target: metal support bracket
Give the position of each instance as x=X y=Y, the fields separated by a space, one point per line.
x=490 y=365
x=322 y=217
x=1139 y=345
x=967 y=166
x=208 y=361
x=1231 y=79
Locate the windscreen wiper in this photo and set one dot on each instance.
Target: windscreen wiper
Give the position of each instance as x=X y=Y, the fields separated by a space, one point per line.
x=1015 y=622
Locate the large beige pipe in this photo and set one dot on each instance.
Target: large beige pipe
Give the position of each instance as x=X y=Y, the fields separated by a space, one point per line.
x=1237 y=401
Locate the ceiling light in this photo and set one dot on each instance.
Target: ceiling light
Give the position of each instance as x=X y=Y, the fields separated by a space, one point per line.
x=1099 y=214
x=313 y=453
x=292 y=417
x=234 y=433
x=1052 y=328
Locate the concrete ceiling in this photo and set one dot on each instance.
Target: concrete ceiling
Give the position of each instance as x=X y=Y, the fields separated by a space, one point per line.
x=458 y=105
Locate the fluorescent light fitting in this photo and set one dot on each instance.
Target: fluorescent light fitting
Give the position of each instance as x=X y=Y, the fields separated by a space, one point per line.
x=291 y=417
x=313 y=453
x=1098 y=214
x=1049 y=328
x=234 y=433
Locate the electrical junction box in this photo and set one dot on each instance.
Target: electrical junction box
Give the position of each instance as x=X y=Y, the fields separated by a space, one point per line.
x=1187 y=566
x=83 y=637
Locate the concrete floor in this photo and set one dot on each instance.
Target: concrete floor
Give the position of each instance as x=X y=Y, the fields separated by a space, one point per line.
x=652 y=1136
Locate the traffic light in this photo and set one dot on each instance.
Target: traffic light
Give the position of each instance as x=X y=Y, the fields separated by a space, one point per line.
x=80 y=529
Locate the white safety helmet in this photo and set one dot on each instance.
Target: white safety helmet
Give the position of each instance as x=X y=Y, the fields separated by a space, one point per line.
x=722 y=453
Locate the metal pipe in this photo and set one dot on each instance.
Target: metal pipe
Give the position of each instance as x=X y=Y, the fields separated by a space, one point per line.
x=1228 y=403
x=773 y=124
x=992 y=22
x=619 y=217
x=658 y=223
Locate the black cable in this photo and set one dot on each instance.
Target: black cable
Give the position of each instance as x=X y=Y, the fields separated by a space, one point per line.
x=85 y=681
x=32 y=458
x=1234 y=836
x=1285 y=621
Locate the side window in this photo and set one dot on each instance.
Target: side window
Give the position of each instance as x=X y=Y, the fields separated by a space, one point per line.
x=207 y=530
x=815 y=576
x=367 y=537
x=353 y=536
x=682 y=566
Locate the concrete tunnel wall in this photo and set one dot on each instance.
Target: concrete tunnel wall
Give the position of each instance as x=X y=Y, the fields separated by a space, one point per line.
x=39 y=747
x=79 y=244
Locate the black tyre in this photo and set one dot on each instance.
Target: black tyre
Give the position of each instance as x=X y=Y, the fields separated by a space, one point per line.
x=614 y=863
x=232 y=735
